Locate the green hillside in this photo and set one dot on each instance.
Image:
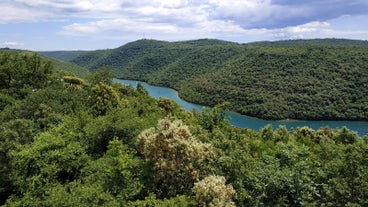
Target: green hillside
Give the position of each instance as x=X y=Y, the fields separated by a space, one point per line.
x=59 y=66
x=68 y=67
x=144 y=55
x=296 y=79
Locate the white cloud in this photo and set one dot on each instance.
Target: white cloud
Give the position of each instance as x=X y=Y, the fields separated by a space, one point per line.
x=77 y=5
x=300 y=31
x=238 y=20
x=253 y=13
x=284 y=13
x=118 y=28
x=245 y=13
x=130 y=29
x=172 y=20
x=12 y=44
x=15 y=13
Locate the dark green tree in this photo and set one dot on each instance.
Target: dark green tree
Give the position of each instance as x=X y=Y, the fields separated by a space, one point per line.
x=117 y=172
x=103 y=98
x=216 y=116
x=48 y=160
x=103 y=75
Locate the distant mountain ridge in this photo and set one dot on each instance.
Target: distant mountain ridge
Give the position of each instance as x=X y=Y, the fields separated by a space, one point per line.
x=295 y=79
x=328 y=42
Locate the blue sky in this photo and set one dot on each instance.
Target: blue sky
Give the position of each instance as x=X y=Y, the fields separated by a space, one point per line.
x=100 y=24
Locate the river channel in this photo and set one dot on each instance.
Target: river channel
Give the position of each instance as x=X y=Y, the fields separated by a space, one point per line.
x=243 y=121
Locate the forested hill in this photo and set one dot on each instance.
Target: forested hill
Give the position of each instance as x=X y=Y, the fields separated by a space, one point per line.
x=59 y=66
x=296 y=79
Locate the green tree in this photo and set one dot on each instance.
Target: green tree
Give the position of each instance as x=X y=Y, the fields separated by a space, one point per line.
x=20 y=70
x=152 y=201
x=6 y=70
x=103 y=98
x=14 y=133
x=117 y=172
x=167 y=104
x=267 y=132
x=345 y=136
x=141 y=89
x=76 y=193
x=48 y=160
x=346 y=175
x=103 y=75
x=125 y=90
x=5 y=100
x=215 y=116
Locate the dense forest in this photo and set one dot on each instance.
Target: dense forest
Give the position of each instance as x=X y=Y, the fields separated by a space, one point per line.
x=67 y=140
x=322 y=79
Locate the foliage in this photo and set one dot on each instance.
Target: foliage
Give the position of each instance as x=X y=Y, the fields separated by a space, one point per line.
x=152 y=201
x=141 y=89
x=101 y=75
x=5 y=100
x=73 y=83
x=20 y=70
x=117 y=172
x=215 y=116
x=49 y=159
x=103 y=98
x=167 y=104
x=73 y=80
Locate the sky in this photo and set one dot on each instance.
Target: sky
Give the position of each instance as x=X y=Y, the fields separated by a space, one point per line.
x=46 y=25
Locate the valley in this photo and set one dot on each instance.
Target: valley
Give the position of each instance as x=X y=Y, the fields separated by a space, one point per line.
x=321 y=79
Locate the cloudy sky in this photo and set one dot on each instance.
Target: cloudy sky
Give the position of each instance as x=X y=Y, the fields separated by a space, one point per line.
x=100 y=24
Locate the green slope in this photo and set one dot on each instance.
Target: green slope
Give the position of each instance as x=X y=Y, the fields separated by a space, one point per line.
x=63 y=55
x=293 y=83
x=295 y=79
x=69 y=68
x=142 y=55
x=60 y=66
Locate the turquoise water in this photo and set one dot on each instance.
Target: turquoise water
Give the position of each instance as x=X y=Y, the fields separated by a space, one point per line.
x=245 y=121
